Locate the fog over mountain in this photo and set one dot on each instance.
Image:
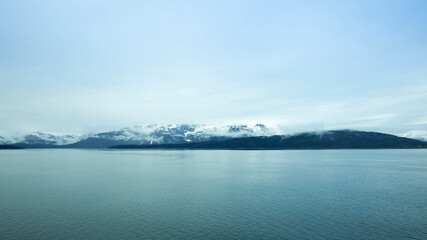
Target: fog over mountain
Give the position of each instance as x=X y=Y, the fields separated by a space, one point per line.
x=338 y=139
x=420 y=135
x=154 y=134
x=148 y=134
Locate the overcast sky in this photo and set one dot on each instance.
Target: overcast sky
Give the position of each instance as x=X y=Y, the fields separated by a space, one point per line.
x=77 y=66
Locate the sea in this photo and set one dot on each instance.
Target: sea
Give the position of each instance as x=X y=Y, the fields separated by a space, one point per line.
x=212 y=194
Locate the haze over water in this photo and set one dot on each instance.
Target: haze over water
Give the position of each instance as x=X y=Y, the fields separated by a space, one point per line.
x=97 y=194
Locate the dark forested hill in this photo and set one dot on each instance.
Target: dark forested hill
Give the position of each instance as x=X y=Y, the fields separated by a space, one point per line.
x=3 y=146
x=339 y=139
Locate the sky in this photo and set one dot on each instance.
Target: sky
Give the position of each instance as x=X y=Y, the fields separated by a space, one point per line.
x=78 y=66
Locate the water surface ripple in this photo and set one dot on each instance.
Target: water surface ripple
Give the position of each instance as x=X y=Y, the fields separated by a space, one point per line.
x=154 y=194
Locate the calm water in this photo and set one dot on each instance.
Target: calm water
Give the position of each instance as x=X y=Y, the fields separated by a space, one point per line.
x=333 y=194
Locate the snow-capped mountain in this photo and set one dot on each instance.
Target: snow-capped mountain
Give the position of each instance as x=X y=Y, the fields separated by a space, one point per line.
x=148 y=134
x=158 y=134
x=46 y=138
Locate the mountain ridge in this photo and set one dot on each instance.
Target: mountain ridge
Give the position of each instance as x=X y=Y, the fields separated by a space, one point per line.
x=148 y=134
x=153 y=134
x=335 y=139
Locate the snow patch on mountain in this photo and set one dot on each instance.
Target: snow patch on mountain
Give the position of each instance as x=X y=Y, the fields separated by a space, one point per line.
x=46 y=138
x=173 y=133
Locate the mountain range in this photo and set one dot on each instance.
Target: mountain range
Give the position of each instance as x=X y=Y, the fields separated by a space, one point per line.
x=148 y=134
x=338 y=139
x=240 y=136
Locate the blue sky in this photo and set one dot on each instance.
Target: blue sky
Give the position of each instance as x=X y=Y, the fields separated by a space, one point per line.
x=77 y=66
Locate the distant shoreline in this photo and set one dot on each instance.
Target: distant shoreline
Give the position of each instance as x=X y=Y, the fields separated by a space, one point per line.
x=10 y=147
x=126 y=147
